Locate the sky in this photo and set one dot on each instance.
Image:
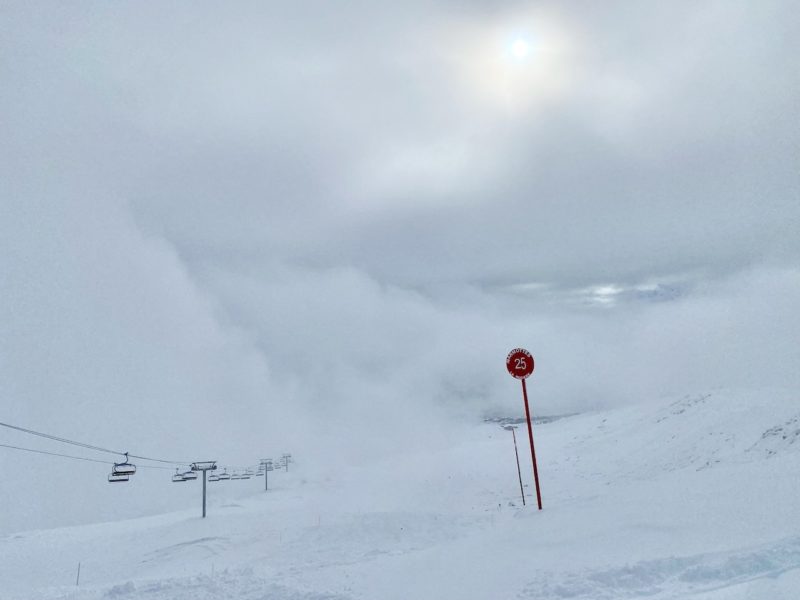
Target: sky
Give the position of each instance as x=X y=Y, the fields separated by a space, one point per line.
x=237 y=229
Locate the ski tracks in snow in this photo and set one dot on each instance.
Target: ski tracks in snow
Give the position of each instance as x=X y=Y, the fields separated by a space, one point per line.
x=194 y=549
x=227 y=585
x=671 y=577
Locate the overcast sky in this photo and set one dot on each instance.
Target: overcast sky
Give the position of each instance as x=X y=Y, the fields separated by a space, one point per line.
x=239 y=228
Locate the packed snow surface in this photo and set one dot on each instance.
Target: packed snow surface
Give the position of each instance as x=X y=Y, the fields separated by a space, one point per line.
x=694 y=497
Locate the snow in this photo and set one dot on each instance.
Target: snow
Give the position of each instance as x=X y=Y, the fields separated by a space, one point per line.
x=693 y=497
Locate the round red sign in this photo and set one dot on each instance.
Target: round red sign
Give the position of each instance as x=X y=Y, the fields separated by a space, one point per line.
x=519 y=363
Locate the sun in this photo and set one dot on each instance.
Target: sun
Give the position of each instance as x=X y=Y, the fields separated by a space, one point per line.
x=520 y=48
x=517 y=64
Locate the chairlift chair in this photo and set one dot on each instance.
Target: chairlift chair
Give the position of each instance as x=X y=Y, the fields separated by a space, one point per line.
x=213 y=477
x=124 y=468
x=224 y=476
x=189 y=475
x=114 y=478
x=178 y=477
x=235 y=476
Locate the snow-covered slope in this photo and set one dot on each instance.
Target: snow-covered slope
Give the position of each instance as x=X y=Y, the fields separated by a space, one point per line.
x=687 y=498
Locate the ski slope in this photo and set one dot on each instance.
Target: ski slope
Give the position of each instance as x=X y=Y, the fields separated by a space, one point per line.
x=694 y=497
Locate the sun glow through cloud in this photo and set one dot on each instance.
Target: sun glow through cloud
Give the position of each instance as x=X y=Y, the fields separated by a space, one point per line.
x=522 y=62
x=520 y=48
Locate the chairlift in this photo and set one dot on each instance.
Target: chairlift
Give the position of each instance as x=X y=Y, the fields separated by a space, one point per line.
x=235 y=476
x=114 y=478
x=213 y=477
x=224 y=476
x=260 y=474
x=178 y=477
x=124 y=468
x=189 y=475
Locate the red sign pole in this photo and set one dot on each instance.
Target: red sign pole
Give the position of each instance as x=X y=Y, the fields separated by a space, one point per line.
x=533 y=451
x=519 y=364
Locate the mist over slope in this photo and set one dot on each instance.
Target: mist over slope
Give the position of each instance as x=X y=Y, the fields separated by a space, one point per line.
x=691 y=497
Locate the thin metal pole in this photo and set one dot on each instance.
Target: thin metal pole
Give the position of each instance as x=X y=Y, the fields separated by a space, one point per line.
x=519 y=472
x=204 y=493
x=266 y=479
x=78 y=578
x=533 y=452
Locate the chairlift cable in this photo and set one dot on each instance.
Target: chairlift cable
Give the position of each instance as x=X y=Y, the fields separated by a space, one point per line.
x=90 y=446
x=169 y=462
x=59 y=439
x=97 y=449
x=105 y=462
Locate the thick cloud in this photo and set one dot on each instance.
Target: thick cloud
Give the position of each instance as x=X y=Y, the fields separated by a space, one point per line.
x=234 y=230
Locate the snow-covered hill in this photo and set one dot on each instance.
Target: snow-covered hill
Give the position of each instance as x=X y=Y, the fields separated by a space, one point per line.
x=693 y=497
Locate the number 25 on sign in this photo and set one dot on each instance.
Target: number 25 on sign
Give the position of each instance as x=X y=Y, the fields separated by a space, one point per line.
x=519 y=363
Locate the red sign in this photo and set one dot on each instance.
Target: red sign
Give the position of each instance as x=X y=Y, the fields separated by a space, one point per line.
x=519 y=363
